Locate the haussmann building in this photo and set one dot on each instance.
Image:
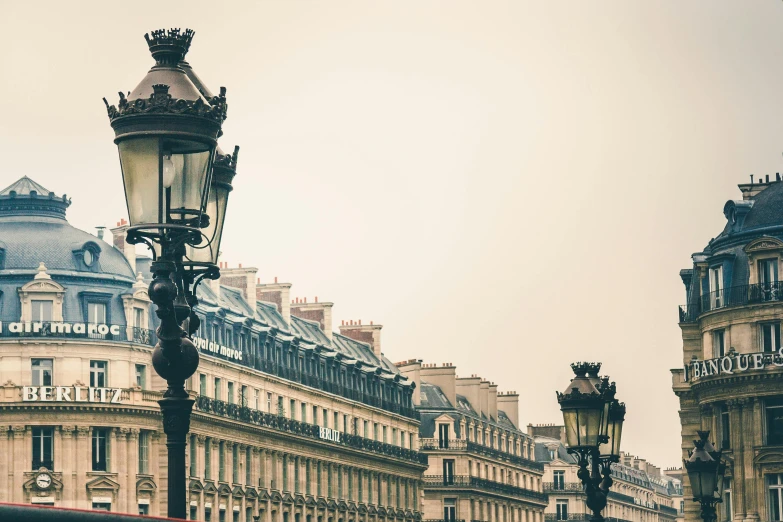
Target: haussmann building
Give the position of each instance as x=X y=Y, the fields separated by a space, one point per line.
x=292 y=422
x=731 y=382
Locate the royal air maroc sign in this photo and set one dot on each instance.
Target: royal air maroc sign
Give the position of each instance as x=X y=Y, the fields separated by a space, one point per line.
x=33 y=329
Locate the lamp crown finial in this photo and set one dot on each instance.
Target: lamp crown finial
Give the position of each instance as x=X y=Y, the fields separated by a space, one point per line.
x=586 y=368
x=169 y=46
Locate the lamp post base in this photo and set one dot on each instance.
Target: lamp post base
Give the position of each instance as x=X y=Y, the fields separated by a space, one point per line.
x=176 y=424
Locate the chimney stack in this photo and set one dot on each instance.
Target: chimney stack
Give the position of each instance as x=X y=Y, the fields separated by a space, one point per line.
x=444 y=377
x=318 y=312
x=493 y=401
x=128 y=250
x=278 y=294
x=369 y=333
x=508 y=403
x=242 y=279
x=468 y=387
x=412 y=370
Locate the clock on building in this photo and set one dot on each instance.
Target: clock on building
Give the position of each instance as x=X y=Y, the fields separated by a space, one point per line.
x=43 y=480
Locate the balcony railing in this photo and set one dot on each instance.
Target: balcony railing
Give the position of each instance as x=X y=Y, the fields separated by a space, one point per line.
x=284 y=424
x=562 y=486
x=730 y=297
x=552 y=517
x=484 y=484
x=435 y=444
x=78 y=331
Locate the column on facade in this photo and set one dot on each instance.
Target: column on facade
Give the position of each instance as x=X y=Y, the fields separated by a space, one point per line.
x=82 y=462
x=132 y=443
x=158 y=468
x=63 y=460
x=17 y=456
x=119 y=462
x=752 y=435
x=200 y=440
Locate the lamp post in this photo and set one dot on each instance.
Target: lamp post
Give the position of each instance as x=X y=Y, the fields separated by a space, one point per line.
x=706 y=472
x=166 y=131
x=593 y=421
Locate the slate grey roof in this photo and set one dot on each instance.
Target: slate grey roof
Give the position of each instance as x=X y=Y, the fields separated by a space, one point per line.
x=23 y=187
x=433 y=397
x=766 y=209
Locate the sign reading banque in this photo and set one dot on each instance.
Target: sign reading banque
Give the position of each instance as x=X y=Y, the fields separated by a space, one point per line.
x=733 y=363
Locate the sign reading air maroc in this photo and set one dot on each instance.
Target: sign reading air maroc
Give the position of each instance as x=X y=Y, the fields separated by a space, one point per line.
x=213 y=348
x=733 y=363
x=329 y=434
x=52 y=328
x=71 y=394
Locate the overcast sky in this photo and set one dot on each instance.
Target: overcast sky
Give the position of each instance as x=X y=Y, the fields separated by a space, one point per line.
x=507 y=186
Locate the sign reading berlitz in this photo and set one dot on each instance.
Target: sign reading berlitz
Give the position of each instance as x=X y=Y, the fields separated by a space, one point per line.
x=71 y=394
x=329 y=434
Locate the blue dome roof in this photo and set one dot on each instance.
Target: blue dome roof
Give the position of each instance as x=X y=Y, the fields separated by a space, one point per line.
x=33 y=229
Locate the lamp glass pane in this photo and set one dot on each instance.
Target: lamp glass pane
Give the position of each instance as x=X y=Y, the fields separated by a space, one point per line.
x=209 y=248
x=589 y=425
x=572 y=433
x=185 y=168
x=605 y=419
x=139 y=162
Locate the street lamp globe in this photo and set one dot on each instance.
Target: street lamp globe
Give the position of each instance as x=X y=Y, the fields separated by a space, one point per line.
x=702 y=471
x=583 y=409
x=166 y=132
x=611 y=449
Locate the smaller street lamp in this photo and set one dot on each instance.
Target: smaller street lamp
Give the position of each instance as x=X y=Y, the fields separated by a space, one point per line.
x=592 y=418
x=705 y=473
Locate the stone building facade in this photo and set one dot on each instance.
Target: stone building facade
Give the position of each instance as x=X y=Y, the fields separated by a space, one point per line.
x=732 y=380
x=482 y=467
x=292 y=422
x=640 y=493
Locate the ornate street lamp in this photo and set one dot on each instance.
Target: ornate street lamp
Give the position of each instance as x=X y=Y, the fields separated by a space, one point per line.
x=592 y=418
x=706 y=473
x=166 y=131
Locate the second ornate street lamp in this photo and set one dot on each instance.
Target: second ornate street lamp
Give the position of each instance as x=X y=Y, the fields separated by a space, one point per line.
x=166 y=131
x=706 y=472
x=593 y=417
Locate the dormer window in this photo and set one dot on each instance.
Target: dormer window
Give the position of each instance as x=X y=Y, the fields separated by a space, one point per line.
x=87 y=255
x=716 y=287
x=768 y=278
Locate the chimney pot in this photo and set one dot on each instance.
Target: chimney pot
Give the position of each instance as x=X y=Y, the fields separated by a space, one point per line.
x=305 y=300
x=371 y=322
x=258 y=282
x=275 y=279
x=360 y=321
x=767 y=178
x=240 y=265
x=777 y=176
x=316 y=299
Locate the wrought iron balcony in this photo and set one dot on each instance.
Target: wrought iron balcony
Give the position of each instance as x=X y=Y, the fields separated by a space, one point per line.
x=462 y=481
x=553 y=517
x=284 y=424
x=435 y=444
x=564 y=486
x=741 y=295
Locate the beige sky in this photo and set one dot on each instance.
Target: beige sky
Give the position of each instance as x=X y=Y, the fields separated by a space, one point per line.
x=507 y=186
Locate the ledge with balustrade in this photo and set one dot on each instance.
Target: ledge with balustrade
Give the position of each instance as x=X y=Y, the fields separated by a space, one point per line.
x=462 y=481
x=281 y=423
x=435 y=444
x=554 y=487
x=553 y=517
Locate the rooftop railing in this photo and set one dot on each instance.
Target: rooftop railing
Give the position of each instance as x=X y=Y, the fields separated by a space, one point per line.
x=741 y=295
x=484 y=484
x=286 y=425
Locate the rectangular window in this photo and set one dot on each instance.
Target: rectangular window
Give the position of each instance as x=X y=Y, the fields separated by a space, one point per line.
x=448 y=471
x=725 y=425
x=43 y=448
x=144 y=509
x=101 y=506
x=304 y=412
x=716 y=287
x=334 y=421
x=96 y=313
x=248 y=466
x=559 y=476
x=42 y=310
x=208 y=459
x=98 y=374
x=100 y=449
x=280 y=407
x=144 y=448
x=293 y=409
x=768 y=277
x=449 y=509
x=235 y=464
x=376 y=432
x=202 y=384
x=256 y=399
x=770 y=337
x=268 y=402
x=141 y=376
x=443 y=435
x=562 y=509
x=243 y=396
x=366 y=428
x=42 y=371
x=192 y=444
x=138 y=317
x=315 y=415
x=217 y=388
x=774 y=410
x=384 y=435
x=230 y=392
x=775 y=492
x=718 y=343
x=725 y=509
x=222 y=461
x=325 y=418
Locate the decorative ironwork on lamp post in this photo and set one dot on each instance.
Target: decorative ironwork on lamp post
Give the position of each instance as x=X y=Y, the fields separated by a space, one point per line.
x=593 y=421
x=706 y=471
x=176 y=189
